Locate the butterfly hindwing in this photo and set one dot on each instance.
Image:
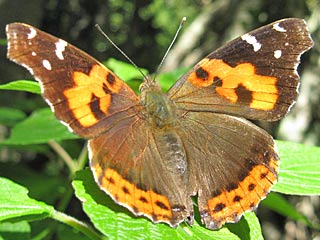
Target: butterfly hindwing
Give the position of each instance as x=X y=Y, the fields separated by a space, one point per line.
x=234 y=165
x=137 y=173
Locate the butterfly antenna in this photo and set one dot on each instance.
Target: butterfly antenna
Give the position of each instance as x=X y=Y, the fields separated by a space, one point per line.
x=183 y=20
x=116 y=47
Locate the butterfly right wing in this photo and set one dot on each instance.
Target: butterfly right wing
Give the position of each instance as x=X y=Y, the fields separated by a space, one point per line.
x=254 y=76
x=232 y=165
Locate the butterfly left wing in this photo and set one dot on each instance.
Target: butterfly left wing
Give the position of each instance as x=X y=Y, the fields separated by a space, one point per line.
x=123 y=149
x=131 y=163
x=85 y=95
x=254 y=76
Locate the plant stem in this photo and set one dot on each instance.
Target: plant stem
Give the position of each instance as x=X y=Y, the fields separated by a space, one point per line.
x=82 y=159
x=81 y=226
x=64 y=155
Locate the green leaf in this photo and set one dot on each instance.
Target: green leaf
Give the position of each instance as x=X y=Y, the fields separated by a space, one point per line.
x=299 y=169
x=279 y=204
x=22 y=85
x=46 y=191
x=14 y=231
x=3 y=41
x=44 y=127
x=125 y=71
x=65 y=232
x=128 y=73
x=247 y=228
x=15 y=204
x=166 y=80
x=10 y=116
x=114 y=221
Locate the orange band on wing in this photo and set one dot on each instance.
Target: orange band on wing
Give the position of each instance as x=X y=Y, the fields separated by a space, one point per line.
x=263 y=89
x=149 y=203
x=97 y=86
x=229 y=205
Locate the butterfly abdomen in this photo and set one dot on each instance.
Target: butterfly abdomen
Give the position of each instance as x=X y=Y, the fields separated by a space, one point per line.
x=172 y=152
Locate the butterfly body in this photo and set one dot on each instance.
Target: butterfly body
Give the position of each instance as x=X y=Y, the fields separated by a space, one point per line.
x=151 y=153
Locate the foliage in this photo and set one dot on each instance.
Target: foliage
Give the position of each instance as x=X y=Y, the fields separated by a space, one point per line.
x=39 y=157
x=112 y=220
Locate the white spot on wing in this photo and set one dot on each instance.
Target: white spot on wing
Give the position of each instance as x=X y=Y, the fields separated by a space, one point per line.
x=277 y=54
x=278 y=28
x=60 y=47
x=46 y=64
x=252 y=40
x=33 y=54
x=32 y=33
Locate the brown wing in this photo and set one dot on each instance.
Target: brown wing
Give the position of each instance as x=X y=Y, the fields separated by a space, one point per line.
x=130 y=165
x=232 y=165
x=84 y=94
x=254 y=76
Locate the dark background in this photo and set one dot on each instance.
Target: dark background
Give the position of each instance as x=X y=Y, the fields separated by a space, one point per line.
x=143 y=30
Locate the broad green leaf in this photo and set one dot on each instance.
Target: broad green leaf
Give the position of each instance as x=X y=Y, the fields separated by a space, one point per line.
x=14 y=231
x=68 y=233
x=255 y=231
x=22 y=85
x=42 y=230
x=10 y=116
x=114 y=221
x=279 y=204
x=299 y=169
x=134 y=84
x=3 y=41
x=125 y=71
x=166 y=80
x=50 y=190
x=41 y=127
x=15 y=204
x=128 y=73
x=248 y=227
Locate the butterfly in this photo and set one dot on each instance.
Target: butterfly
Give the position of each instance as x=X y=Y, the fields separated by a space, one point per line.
x=151 y=153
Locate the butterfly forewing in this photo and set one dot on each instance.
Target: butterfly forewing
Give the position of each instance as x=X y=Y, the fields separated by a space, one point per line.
x=254 y=76
x=79 y=89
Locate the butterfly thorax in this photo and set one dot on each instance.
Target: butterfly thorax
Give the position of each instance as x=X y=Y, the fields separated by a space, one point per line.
x=159 y=110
